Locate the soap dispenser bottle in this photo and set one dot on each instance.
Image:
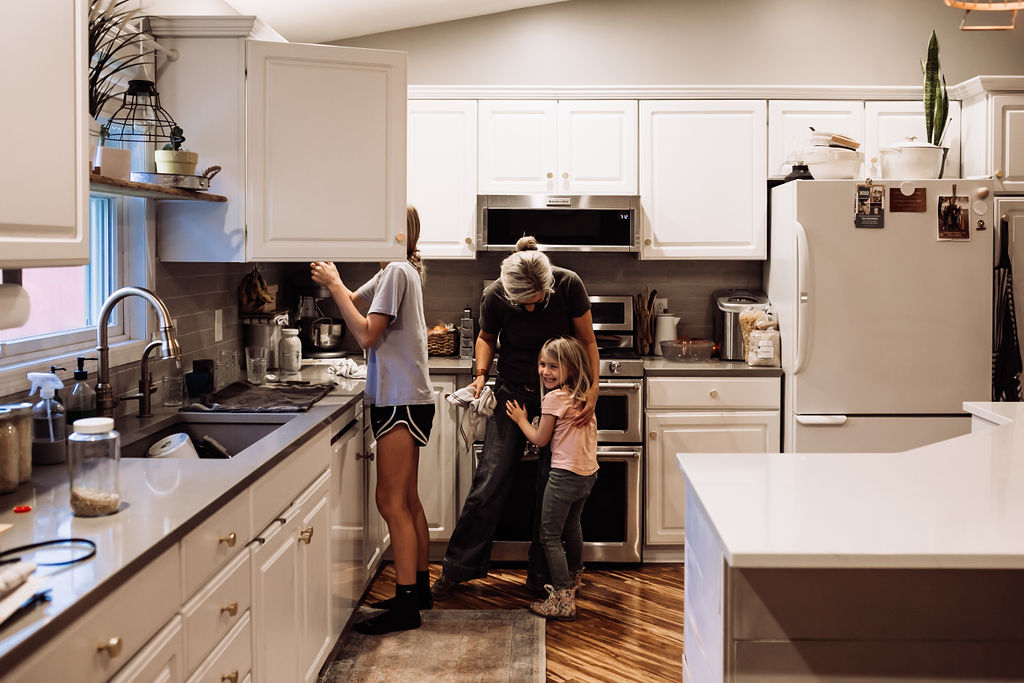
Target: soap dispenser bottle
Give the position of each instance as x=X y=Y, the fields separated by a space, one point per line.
x=81 y=401
x=49 y=443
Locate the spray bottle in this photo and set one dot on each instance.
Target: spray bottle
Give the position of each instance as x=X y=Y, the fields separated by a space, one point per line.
x=49 y=446
x=81 y=400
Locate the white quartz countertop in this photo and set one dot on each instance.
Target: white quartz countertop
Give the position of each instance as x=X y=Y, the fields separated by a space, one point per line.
x=162 y=500
x=954 y=504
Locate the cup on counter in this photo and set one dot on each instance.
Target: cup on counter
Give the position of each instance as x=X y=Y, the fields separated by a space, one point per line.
x=256 y=364
x=174 y=391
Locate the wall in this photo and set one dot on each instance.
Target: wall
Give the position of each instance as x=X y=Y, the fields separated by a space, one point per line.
x=739 y=42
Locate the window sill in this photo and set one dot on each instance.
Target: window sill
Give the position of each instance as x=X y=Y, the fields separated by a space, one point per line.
x=105 y=185
x=13 y=380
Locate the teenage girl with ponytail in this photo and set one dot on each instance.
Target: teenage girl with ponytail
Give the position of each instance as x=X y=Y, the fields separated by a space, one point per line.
x=401 y=400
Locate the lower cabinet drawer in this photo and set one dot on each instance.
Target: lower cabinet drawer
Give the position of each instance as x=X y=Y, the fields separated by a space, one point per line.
x=102 y=640
x=231 y=660
x=714 y=393
x=215 y=609
x=162 y=659
x=212 y=544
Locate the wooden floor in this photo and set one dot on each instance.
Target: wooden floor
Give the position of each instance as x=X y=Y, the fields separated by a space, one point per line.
x=629 y=624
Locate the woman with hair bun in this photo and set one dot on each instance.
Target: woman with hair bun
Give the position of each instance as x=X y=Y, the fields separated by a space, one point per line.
x=532 y=301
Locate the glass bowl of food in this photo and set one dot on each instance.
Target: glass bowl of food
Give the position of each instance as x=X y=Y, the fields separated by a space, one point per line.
x=687 y=350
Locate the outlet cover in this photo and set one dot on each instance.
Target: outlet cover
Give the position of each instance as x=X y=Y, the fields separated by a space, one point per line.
x=660 y=305
x=218 y=324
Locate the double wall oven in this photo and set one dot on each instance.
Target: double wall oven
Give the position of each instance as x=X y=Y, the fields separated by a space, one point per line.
x=612 y=516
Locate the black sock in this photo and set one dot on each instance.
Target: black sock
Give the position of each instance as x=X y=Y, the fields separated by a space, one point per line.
x=402 y=617
x=424 y=598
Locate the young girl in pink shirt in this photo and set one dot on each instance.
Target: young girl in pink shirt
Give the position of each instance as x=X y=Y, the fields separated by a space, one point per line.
x=564 y=371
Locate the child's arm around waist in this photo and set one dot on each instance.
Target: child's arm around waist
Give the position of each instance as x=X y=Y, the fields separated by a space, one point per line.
x=540 y=435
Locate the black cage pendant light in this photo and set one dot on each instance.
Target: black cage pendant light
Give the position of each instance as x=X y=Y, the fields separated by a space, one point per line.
x=140 y=118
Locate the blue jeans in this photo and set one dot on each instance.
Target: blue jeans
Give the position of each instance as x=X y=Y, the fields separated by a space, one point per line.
x=560 y=530
x=469 y=549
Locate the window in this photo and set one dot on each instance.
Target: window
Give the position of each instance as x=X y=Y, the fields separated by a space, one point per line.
x=66 y=301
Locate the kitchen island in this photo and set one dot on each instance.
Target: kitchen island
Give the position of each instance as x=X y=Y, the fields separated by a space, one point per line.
x=881 y=566
x=165 y=503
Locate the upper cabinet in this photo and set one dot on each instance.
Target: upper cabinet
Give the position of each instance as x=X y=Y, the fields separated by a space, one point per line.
x=310 y=139
x=790 y=123
x=702 y=179
x=888 y=123
x=993 y=121
x=558 y=147
x=442 y=175
x=44 y=215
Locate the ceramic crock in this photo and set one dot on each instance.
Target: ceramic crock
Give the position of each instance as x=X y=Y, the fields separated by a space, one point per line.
x=912 y=159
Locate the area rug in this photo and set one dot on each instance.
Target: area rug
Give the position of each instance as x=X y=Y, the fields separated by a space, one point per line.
x=451 y=645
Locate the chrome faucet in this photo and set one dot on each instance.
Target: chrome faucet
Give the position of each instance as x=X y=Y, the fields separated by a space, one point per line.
x=105 y=399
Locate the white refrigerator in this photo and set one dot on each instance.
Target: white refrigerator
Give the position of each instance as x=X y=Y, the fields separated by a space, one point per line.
x=887 y=330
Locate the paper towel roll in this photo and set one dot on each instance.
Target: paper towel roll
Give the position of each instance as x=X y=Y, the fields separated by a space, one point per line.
x=14 y=306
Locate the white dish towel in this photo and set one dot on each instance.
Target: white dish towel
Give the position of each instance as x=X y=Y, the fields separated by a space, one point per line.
x=477 y=410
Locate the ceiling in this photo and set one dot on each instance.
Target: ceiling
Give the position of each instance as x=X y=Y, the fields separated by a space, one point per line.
x=320 y=21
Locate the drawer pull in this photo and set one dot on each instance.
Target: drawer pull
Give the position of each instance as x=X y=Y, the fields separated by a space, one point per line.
x=231 y=608
x=654 y=435
x=228 y=540
x=998 y=173
x=112 y=647
x=230 y=678
x=306 y=535
x=714 y=393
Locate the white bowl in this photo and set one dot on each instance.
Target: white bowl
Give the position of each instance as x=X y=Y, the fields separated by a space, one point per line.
x=828 y=163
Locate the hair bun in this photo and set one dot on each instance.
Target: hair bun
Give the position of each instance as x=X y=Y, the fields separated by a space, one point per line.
x=526 y=243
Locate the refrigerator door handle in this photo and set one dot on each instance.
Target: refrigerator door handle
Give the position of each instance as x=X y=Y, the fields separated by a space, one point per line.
x=803 y=309
x=827 y=420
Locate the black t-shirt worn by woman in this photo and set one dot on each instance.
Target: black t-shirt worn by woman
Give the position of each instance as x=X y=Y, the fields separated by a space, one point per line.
x=521 y=333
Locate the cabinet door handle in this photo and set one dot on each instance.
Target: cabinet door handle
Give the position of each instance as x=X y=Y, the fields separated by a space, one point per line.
x=112 y=647
x=653 y=436
x=714 y=393
x=231 y=608
x=999 y=173
x=228 y=540
x=306 y=535
x=400 y=237
x=565 y=176
x=647 y=242
x=230 y=678
x=469 y=240
x=550 y=174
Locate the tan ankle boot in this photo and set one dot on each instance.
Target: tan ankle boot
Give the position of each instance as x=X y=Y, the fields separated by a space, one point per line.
x=577 y=579
x=560 y=605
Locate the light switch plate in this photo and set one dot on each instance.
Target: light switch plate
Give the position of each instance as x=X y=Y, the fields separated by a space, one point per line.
x=218 y=324
x=660 y=305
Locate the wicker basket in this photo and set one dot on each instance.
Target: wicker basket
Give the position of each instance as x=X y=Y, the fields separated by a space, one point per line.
x=441 y=343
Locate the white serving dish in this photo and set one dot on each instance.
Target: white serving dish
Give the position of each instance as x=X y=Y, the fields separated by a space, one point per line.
x=828 y=163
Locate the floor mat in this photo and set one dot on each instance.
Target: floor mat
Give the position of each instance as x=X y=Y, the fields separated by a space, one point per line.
x=451 y=645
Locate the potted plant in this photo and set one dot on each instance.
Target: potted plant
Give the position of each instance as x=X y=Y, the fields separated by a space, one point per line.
x=173 y=159
x=111 y=162
x=913 y=159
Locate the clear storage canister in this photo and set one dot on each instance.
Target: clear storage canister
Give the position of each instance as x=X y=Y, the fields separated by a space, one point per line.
x=94 y=456
x=23 y=426
x=8 y=452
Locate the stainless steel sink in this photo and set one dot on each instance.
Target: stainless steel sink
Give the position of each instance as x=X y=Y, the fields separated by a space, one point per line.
x=234 y=431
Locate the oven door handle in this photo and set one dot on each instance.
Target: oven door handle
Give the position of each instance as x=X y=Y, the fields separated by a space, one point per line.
x=632 y=454
x=619 y=385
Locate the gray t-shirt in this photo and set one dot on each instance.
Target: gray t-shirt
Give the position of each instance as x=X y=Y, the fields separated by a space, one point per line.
x=396 y=370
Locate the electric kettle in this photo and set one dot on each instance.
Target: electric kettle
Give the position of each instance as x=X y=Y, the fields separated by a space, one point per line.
x=665 y=330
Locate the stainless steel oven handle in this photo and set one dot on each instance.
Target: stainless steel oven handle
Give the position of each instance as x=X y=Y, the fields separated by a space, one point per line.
x=631 y=454
x=635 y=386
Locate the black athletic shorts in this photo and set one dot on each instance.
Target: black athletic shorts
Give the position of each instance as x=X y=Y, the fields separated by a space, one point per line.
x=418 y=419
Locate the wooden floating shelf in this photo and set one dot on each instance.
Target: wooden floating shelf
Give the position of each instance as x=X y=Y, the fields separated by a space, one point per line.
x=99 y=183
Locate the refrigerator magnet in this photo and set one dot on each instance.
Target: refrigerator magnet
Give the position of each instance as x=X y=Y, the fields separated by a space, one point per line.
x=953 y=213
x=870 y=206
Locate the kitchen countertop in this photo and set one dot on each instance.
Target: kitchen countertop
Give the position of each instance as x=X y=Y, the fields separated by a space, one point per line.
x=165 y=499
x=954 y=504
x=654 y=366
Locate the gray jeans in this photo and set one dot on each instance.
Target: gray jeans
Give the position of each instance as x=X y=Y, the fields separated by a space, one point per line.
x=560 y=530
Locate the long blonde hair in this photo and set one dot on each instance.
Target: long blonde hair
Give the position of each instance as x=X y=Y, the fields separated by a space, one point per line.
x=412 y=234
x=575 y=364
x=526 y=272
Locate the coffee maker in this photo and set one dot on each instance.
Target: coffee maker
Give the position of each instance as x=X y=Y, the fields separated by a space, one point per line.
x=321 y=335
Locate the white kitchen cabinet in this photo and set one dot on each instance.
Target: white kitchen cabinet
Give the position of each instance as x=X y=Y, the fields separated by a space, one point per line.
x=347 y=517
x=703 y=172
x=162 y=659
x=994 y=139
x=790 y=121
x=290 y=605
x=892 y=122
x=558 y=147
x=441 y=162
x=44 y=216
x=377 y=539
x=310 y=139
x=437 y=476
x=700 y=415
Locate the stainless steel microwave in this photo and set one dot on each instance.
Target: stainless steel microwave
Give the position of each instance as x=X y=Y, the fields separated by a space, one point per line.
x=559 y=222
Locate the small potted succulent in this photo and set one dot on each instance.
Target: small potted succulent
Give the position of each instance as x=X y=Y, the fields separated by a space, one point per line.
x=173 y=159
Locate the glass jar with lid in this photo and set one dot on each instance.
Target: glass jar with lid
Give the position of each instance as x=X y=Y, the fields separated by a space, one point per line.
x=8 y=451
x=22 y=413
x=94 y=458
